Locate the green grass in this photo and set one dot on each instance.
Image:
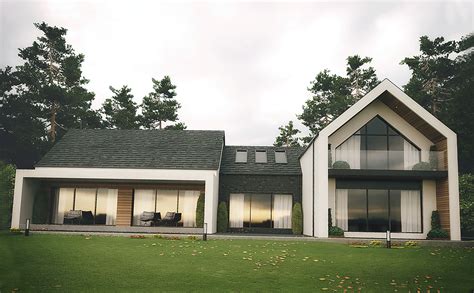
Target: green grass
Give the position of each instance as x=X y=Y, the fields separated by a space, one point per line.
x=98 y=263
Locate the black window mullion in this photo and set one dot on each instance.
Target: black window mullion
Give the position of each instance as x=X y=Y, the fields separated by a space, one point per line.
x=74 y=200
x=389 y=212
x=367 y=210
x=95 y=203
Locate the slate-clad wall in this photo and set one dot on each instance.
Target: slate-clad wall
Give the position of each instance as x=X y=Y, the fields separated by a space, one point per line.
x=283 y=184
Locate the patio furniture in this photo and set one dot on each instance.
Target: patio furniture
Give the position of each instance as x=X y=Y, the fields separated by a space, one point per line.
x=146 y=218
x=170 y=219
x=73 y=217
x=87 y=218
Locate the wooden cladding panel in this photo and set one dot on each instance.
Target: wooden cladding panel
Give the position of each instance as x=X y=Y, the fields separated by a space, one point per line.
x=411 y=117
x=442 y=202
x=442 y=148
x=124 y=207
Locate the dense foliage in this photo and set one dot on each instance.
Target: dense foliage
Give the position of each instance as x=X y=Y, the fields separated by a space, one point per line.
x=160 y=105
x=297 y=219
x=335 y=231
x=7 y=182
x=46 y=95
x=120 y=110
x=436 y=231
x=466 y=201
x=200 y=211
x=222 y=218
x=333 y=94
x=288 y=136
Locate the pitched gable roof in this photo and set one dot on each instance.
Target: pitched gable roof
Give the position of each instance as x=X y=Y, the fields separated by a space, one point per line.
x=143 y=149
x=292 y=167
x=400 y=103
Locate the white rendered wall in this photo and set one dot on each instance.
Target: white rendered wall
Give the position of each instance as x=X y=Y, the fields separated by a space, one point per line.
x=306 y=162
x=332 y=199
x=23 y=200
x=25 y=186
x=321 y=189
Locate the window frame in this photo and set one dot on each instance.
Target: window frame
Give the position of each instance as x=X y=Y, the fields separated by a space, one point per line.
x=373 y=185
x=266 y=156
x=237 y=151
x=284 y=154
x=362 y=132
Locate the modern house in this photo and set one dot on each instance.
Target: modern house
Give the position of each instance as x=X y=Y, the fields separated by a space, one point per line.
x=384 y=164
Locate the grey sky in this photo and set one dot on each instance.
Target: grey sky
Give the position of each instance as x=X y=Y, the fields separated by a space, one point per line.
x=239 y=66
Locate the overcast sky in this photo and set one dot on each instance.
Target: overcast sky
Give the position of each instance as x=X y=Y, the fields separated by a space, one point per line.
x=242 y=67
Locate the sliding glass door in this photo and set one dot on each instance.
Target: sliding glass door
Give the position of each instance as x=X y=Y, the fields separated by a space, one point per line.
x=378 y=210
x=164 y=201
x=260 y=210
x=91 y=205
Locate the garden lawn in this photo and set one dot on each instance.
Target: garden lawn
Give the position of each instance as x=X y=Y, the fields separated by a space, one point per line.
x=98 y=263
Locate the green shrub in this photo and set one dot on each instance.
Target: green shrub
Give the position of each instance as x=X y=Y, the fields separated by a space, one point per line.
x=341 y=165
x=466 y=202
x=7 y=183
x=438 y=234
x=435 y=220
x=422 y=166
x=329 y=218
x=222 y=217
x=297 y=219
x=200 y=211
x=335 y=231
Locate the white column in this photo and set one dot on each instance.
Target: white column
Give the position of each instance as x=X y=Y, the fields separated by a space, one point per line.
x=23 y=200
x=211 y=198
x=321 y=193
x=453 y=186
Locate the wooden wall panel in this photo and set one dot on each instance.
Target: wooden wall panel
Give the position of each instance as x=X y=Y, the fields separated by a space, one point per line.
x=124 y=207
x=442 y=148
x=442 y=202
x=411 y=117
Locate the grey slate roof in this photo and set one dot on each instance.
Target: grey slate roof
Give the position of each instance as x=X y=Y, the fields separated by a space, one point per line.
x=147 y=149
x=229 y=166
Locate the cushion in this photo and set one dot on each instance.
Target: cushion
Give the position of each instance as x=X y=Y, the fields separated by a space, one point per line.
x=147 y=216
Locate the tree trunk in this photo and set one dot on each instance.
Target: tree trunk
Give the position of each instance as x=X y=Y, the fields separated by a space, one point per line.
x=52 y=130
x=159 y=123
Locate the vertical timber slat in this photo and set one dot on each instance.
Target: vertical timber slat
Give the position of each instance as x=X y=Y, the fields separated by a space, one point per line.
x=124 y=207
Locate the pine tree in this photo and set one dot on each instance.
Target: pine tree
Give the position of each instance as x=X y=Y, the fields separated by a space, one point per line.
x=120 y=110
x=52 y=77
x=160 y=105
x=334 y=94
x=287 y=136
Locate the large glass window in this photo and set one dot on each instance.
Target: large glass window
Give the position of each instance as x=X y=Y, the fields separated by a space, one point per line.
x=85 y=206
x=378 y=210
x=357 y=209
x=378 y=146
x=164 y=201
x=260 y=211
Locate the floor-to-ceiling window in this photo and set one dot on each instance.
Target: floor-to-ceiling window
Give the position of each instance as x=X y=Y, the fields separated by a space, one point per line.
x=166 y=201
x=377 y=145
x=260 y=210
x=85 y=206
x=364 y=206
